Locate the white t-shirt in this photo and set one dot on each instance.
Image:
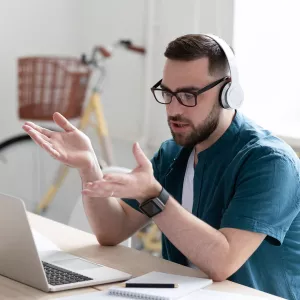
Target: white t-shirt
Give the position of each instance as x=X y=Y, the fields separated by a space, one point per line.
x=188 y=189
x=188 y=184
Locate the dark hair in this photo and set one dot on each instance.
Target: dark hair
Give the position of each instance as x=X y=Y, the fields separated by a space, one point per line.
x=195 y=46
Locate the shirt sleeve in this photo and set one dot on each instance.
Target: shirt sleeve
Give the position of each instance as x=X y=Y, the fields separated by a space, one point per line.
x=266 y=198
x=155 y=161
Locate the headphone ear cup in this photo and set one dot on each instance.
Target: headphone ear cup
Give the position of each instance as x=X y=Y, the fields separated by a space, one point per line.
x=223 y=96
x=235 y=97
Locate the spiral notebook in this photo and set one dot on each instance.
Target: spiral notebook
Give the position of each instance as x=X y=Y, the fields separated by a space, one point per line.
x=186 y=285
x=190 y=288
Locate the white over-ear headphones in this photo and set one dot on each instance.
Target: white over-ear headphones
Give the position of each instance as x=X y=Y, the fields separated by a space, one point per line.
x=232 y=95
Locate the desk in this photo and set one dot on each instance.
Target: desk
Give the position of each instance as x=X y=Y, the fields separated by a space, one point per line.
x=125 y=259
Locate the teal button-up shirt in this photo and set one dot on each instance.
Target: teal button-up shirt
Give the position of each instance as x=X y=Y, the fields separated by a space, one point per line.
x=250 y=180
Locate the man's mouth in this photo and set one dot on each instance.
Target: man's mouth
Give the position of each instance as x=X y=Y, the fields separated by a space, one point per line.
x=179 y=124
x=179 y=128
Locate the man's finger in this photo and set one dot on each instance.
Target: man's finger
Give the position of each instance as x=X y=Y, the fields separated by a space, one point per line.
x=117 y=178
x=62 y=122
x=100 y=194
x=38 y=128
x=38 y=139
x=54 y=153
x=30 y=129
x=109 y=191
x=90 y=193
x=102 y=185
x=140 y=156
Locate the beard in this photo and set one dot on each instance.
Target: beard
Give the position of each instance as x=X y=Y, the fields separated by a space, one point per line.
x=198 y=134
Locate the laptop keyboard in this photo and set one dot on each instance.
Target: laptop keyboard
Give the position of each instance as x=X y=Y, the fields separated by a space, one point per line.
x=57 y=276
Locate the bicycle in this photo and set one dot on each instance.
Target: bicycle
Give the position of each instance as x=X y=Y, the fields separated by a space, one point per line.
x=95 y=62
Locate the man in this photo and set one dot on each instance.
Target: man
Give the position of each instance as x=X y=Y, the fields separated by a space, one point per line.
x=230 y=203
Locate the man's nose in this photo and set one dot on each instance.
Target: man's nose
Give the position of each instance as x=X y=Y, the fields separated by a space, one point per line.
x=175 y=108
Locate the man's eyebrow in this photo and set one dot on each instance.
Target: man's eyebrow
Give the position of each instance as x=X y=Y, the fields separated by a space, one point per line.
x=181 y=89
x=164 y=87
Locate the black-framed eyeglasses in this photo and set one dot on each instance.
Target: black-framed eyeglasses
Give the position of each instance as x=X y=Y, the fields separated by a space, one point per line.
x=186 y=98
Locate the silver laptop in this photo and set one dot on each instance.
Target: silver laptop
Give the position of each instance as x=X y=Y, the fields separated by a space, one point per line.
x=48 y=271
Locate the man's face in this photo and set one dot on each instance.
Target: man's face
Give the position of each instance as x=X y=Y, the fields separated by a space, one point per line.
x=191 y=125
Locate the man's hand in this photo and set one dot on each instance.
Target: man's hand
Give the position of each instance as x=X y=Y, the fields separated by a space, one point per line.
x=140 y=184
x=71 y=147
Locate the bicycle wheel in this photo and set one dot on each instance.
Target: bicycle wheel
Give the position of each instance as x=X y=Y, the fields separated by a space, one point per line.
x=14 y=140
x=28 y=173
x=18 y=167
x=25 y=169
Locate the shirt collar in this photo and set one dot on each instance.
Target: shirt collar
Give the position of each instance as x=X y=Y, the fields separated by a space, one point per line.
x=226 y=140
x=218 y=147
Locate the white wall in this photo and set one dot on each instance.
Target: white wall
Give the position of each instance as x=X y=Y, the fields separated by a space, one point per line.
x=267 y=53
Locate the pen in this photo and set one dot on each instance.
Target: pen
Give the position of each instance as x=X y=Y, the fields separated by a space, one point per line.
x=150 y=285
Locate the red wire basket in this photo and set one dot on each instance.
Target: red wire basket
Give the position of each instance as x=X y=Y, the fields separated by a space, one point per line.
x=51 y=84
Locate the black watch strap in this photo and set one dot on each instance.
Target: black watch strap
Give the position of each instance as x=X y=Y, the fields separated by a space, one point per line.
x=154 y=206
x=163 y=196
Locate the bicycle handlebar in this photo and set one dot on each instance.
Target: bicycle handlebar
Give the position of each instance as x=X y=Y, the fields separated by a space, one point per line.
x=106 y=53
x=137 y=49
x=128 y=44
x=103 y=51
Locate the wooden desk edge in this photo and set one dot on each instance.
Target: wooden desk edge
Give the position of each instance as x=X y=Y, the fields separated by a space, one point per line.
x=163 y=264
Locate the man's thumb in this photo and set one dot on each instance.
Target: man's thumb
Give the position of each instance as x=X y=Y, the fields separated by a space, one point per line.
x=62 y=122
x=139 y=155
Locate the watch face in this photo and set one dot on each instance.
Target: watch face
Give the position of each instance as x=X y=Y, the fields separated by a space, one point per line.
x=151 y=208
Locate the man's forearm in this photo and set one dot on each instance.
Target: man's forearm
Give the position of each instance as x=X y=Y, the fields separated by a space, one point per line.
x=105 y=215
x=203 y=245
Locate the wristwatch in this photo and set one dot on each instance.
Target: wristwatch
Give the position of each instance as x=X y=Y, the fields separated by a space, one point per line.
x=154 y=206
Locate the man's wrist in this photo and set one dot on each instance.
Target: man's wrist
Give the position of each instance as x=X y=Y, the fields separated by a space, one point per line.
x=155 y=205
x=91 y=172
x=153 y=191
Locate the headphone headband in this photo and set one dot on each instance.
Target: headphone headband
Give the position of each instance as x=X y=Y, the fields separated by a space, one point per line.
x=229 y=55
x=232 y=96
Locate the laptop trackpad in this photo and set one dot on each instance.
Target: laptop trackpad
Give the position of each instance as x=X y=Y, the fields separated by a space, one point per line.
x=75 y=264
